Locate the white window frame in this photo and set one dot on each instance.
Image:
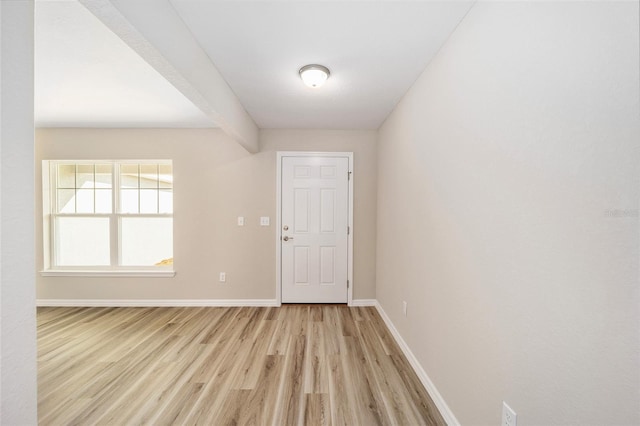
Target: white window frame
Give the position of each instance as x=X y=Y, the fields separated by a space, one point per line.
x=50 y=209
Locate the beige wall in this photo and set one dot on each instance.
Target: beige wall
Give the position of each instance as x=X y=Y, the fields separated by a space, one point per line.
x=215 y=181
x=500 y=173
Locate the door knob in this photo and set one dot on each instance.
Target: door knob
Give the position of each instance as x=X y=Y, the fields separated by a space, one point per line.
x=287 y=238
x=286 y=228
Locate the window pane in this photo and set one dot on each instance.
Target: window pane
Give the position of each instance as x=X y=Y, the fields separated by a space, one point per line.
x=145 y=241
x=82 y=241
x=129 y=182
x=103 y=201
x=165 y=175
x=66 y=201
x=103 y=175
x=166 y=201
x=66 y=176
x=84 y=201
x=84 y=176
x=129 y=176
x=148 y=176
x=148 y=201
x=129 y=201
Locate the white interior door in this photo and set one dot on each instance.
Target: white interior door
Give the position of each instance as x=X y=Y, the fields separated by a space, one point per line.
x=314 y=229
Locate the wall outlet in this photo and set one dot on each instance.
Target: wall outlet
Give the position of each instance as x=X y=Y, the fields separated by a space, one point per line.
x=264 y=221
x=223 y=277
x=508 y=415
x=240 y=220
x=404 y=308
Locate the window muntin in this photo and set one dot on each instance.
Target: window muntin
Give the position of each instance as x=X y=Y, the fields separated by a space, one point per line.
x=146 y=188
x=111 y=215
x=84 y=188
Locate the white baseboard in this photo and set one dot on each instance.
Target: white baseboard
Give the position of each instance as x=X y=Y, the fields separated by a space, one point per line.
x=175 y=302
x=444 y=409
x=156 y=302
x=363 y=302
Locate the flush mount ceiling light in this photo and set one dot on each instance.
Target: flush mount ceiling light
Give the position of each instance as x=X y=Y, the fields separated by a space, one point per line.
x=314 y=75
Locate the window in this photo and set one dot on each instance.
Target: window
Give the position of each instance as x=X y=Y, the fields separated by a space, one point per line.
x=110 y=215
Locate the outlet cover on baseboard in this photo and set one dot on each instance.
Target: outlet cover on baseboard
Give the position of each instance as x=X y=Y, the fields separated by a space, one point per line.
x=509 y=416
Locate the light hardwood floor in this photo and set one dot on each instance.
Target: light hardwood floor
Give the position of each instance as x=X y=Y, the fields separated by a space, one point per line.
x=298 y=364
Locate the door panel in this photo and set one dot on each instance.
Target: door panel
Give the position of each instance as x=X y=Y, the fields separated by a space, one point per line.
x=301 y=265
x=327 y=210
x=314 y=239
x=327 y=265
x=301 y=210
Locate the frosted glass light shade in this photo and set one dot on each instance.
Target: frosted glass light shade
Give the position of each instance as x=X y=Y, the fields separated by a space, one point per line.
x=314 y=75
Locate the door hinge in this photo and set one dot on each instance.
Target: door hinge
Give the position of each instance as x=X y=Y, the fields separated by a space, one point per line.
x=349 y=176
x=347 y=283
x=348 y=230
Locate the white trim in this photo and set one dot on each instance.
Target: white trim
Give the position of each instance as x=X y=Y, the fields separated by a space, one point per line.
x=279 y=156
x=351 y=231
x=278 y=227
x=51 y=214
x=155 y=302
x=444 y=409
x=363 y=302
x=96 y=273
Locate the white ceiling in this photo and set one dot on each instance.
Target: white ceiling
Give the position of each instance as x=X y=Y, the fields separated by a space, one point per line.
x=87 y=76
x=374 y=49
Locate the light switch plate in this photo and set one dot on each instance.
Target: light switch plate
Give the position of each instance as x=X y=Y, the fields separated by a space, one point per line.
x=240 y=221
x=264 y=221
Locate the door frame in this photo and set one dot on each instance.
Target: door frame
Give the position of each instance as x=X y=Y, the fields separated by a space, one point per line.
x=282 y=154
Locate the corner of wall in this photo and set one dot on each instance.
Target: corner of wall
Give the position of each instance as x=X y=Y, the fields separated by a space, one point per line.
x=431 y=389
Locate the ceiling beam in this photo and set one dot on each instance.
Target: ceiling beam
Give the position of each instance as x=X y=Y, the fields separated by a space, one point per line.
x=154 y=30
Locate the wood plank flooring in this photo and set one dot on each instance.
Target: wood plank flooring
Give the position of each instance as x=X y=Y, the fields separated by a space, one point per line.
x=297 y=364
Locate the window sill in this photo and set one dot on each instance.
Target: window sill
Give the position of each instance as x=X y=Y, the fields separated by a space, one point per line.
x=106 y=273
